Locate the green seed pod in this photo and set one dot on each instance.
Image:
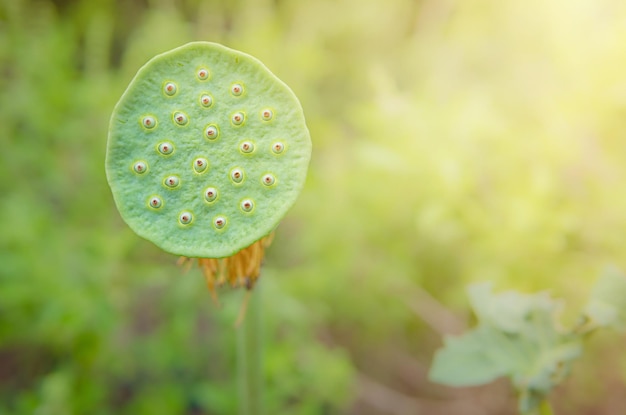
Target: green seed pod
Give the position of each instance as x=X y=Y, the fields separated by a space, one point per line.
x=232 y=153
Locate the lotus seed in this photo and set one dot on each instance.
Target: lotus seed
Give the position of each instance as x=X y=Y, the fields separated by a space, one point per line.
x=185 y=218
x=210 y=194
x=200 y=164
x=148 y=122
x=236 y=175
x=171 y=181
x=211 y=132
x=236 y=89
x=155 y=202
x=206 y=100
x=180 y=118
x=203 y=74
x=238 y=118
x=219 y=222
x=267 y=114
x=140 y=167
x=247 y=147
x=278 y=148
x=268 y=179
x=170 y=88
x=166 y=148
x=247 y=205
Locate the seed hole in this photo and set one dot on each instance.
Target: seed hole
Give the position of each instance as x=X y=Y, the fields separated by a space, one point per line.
x=200 y=164
x=247 y=147
x=140 y=167
x=236 y=175
x=268 y=179
x=171 y=181
x=236 y=89
x=206 y=100
x=219 y=222
x=166 y=148
x=148 y=122
x=247 y=205
x=238 y=118
x=185 y=218
x=170 y=88
x=180 y=118
x=278 y=148
x=211 y=132
x=267 y=114
x=155 y=202
x=210 y=194
x=203 y=74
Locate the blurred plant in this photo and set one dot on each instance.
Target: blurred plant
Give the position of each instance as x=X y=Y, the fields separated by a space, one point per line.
x=518 y=336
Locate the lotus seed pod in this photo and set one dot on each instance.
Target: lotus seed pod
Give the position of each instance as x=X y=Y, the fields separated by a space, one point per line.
x=207 y=151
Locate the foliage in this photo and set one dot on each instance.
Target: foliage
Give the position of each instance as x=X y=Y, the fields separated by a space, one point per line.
x=607 y=306
x=518 y=336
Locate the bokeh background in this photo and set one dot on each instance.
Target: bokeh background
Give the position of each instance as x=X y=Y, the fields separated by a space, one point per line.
x=454 y=142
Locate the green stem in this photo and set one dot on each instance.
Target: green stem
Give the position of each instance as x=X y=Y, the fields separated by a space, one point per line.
x=545 y=408
x=250 y=357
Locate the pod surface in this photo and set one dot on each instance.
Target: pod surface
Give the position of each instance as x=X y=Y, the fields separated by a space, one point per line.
x=207 y=151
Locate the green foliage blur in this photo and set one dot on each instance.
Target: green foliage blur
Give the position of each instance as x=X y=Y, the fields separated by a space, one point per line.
x=454 y=142
x=519 y=336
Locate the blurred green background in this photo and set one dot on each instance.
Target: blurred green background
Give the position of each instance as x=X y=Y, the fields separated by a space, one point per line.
x=454 y=142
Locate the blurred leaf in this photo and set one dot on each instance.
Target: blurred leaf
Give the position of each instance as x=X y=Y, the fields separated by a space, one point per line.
x=463 y=361
x=509 y=311
x=516 y=337
x=56 y=395
x=607 y=305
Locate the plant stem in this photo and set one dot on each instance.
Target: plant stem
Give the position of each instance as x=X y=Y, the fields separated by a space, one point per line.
x=250 y=356
x=545 y=408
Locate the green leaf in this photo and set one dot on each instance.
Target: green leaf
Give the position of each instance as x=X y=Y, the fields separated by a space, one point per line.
x=607 y=305
x=463 y=362
x=517 y=336
x=509 y=311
